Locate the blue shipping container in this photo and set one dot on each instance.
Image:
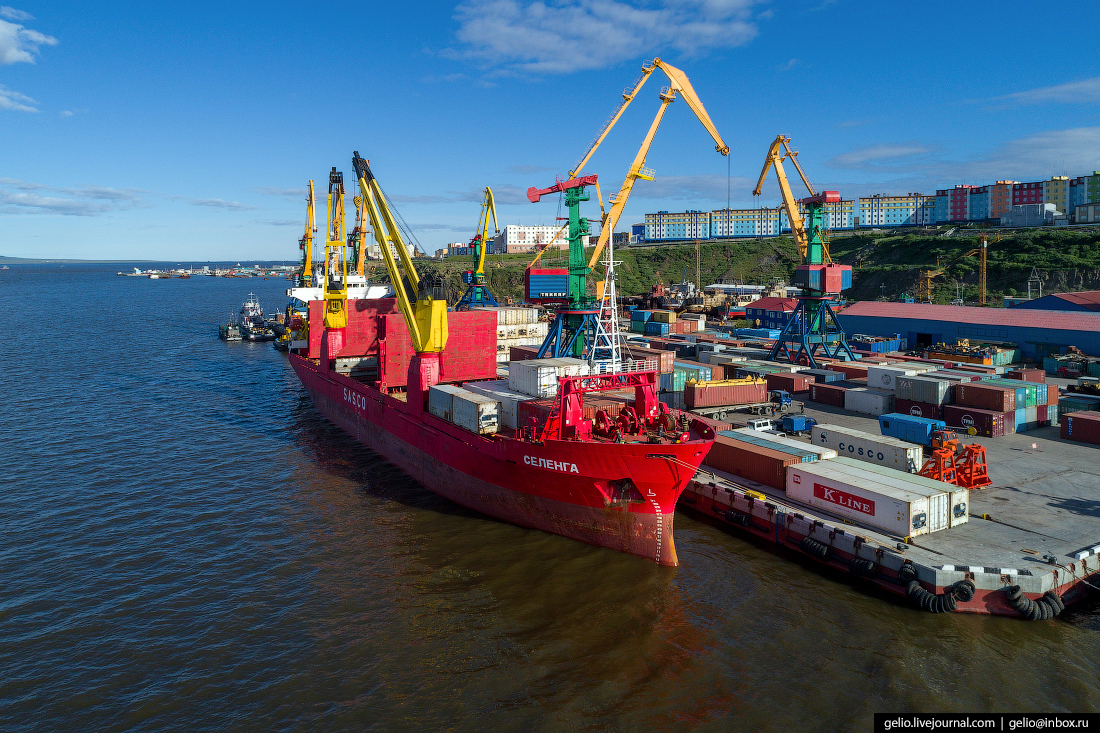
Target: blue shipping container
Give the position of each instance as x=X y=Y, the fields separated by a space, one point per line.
x=702 y=370
x=657 y=328
x=909 y=428
x=642 y=316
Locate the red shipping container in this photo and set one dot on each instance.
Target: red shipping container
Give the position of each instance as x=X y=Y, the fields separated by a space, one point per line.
x=523 y=353
x=986 y=422
x=715 y=425
x=985 y=396
x=762 y=465
x=1041 y=414
x=1027 y=375
x=1052 y=394
x=719 y=395
x=792 y=383
x=665 y=359
x=850 y=369
x=827 y=394
x=1083 y=427
x=918 y=409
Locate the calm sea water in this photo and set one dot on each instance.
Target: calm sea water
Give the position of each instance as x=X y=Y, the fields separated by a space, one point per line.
x=187 y=545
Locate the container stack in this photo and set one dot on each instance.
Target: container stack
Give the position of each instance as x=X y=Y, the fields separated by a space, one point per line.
x=475 y=412
x=1083 y=427
x=516 y=327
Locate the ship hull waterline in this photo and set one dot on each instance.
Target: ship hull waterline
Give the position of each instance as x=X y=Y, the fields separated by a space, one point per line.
x=557 y=486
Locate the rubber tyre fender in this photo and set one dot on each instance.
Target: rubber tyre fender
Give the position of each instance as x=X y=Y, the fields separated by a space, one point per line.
x=907 y=573
x=950 y=605
x=739 y=518
x=1046 y=613
x=1055 y=601
x=964 y=591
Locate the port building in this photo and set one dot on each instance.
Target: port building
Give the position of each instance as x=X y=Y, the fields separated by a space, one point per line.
x=1086 y=301
x=1038 y=333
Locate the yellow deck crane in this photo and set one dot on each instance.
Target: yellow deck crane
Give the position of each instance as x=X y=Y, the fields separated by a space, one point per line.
x=305 y=276
x=426 y=316
x=813 y=326
x=677 y=84
x=336 y=261
x=477 y=294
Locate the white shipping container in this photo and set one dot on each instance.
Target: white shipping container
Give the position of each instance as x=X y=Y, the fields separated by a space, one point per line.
x=958 y=497
x=523 y=330
x=509 y=399
x=511 y=315
x=923 y=389
x=569 y=366
x=881 y=450
x=862 y=499
x=533 y=377
x=823 y=452
x=475 y=412
x=440 y=399
x=868 y=401
x=883 y=377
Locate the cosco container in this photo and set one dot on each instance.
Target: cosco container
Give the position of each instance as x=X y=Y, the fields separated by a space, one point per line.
x=861 y=497
x=881 y=450
x=884 y=377
x=475 y=412
x=958 y=497
x=868 y=401
x=923 y=389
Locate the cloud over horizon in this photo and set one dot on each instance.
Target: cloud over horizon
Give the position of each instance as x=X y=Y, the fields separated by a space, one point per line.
x=24 y=197
x=1086 y=91
x=18 y=44
x=534 y=37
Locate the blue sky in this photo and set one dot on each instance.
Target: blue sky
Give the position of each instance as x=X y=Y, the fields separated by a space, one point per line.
x=189 y=130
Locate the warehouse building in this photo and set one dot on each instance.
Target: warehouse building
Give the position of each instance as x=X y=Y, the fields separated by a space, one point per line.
x=1086 y=301
x=771 y=312
x=1038 y=333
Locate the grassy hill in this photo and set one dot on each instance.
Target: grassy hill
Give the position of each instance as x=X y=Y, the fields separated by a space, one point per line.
x=884 y=264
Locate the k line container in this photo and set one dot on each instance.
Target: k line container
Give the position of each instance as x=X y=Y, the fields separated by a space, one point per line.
x=884 y=377
x=880 y=450
x=860 y=496
x=869 y=401
x=749 y=461
x=986 y=422
x=475 y=412
x=958 y=497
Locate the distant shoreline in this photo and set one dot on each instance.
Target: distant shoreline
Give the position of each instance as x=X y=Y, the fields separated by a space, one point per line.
x=4 y=260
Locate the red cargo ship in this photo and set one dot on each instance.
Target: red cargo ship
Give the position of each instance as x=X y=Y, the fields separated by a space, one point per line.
x=614 y=483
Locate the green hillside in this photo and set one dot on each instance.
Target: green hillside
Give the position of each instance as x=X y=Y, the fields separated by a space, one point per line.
x=884 y=264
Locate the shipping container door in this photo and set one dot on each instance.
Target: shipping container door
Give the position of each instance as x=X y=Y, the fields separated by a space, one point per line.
x=937 y=512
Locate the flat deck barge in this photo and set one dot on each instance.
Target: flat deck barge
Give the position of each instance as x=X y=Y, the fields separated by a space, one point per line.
x=1036 y=528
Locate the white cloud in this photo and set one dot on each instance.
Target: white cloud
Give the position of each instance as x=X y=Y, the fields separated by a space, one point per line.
x=534 y=37
x=1086 y=91
x=871 y=157
x=66 y=113
x=19 y=44
x=24 y=197
x=18 y=16
x=790 y=65
x=293 y=194
x=215 y=203
x=13 y=100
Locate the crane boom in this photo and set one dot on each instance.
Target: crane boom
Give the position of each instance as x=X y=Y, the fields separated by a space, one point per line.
x=812 y=246
x=426 y=317
x=306 y=242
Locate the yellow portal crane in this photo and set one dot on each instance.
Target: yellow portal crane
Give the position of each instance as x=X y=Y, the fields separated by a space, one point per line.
x=980 y=253
x=812 y=245
x=305 y=277
x=924 y=285
x=336 y=261
x=677 y=84
x=477 y=294
x=426 y=317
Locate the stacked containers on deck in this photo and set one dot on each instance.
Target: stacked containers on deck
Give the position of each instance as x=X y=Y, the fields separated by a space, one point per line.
x=516 y=327
x=539 y=377
x=477 y=413
x=508 y=398
x=881 y=450
x=638 y=319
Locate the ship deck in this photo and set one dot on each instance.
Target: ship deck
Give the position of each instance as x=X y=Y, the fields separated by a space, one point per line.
x=1044 y=502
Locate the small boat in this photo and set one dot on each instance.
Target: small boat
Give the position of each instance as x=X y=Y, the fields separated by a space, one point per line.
x=229 y=331
x=252 y=324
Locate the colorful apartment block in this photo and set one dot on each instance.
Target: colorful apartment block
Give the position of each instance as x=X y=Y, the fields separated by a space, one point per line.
x=729 y=223
x=1000 y=198
x=913 y=209
x=1056 y=191
x=1027 y=193
x=677 y=225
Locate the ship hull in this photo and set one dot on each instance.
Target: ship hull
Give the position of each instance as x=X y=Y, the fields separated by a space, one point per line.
x=568 y=488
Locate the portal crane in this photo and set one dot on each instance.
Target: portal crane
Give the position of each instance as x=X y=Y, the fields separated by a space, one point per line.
x=677 y=84
x=305 y=276
x=981 y=254
x=478 y=293
x=813 y=325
